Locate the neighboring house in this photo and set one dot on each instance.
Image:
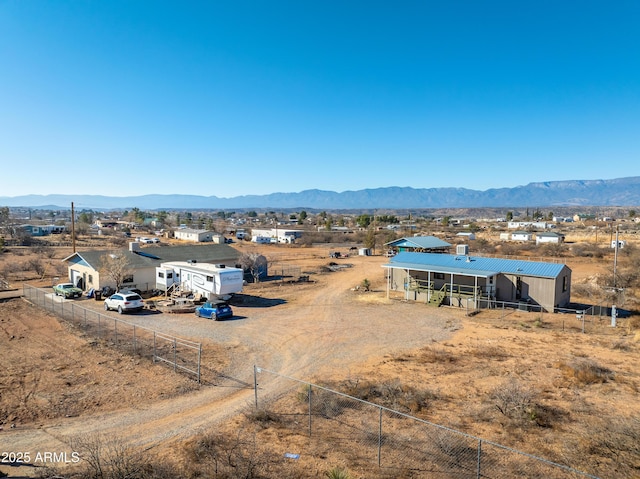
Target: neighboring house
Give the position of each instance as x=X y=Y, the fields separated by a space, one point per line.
x=196 y=236
x=540 y=225
x=84 y=267
x=35 y=230
x=276 y=235
x=476 y=282
x=521 y=236
x=554 y=238
x=423 y=244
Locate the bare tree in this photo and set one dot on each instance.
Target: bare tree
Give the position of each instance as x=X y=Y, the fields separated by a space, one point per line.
x=254 y=263
x=117 y=267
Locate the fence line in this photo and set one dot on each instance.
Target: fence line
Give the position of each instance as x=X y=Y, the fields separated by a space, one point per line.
x=384 y=438
x=181 y=354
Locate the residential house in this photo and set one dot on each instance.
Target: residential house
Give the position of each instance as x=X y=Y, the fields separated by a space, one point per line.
x=86 y=267
x=476 y=282
x=423 y=244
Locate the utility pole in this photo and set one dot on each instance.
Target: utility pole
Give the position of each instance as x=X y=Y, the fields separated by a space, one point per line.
x=615 y=260
x=73 y=228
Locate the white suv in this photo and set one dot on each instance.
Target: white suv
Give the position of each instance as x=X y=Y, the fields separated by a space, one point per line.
x=124 y=302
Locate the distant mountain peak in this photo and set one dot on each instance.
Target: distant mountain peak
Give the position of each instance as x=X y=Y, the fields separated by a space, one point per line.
x=615 y=192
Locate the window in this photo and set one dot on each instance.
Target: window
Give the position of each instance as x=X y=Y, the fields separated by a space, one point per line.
x=128 y=279
x=160 y=274
x=169 y=275
x=90 y=279
x=438 y=275
x=565 y=284
x=210 y=279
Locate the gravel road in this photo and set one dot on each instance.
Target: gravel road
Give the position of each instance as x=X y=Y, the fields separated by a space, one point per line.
x=305 y=330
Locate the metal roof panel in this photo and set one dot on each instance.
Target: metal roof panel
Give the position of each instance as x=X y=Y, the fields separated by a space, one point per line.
x=473 y=265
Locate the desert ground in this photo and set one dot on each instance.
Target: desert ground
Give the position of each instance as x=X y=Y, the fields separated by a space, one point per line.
x=59 y=385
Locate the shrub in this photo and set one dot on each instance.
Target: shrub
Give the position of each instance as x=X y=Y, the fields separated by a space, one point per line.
x=586 y=372
x=515 y=401
x=337 y=473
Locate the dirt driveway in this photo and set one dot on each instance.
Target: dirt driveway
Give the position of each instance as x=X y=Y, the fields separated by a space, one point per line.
x=301 y=330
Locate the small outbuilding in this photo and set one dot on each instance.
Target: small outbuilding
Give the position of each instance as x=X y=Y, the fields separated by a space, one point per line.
x=521 y=236
x=553 y=238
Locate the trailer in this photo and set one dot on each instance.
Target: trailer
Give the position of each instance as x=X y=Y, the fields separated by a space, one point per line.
x=209 y=281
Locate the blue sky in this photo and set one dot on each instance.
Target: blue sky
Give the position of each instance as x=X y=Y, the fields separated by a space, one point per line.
x=253 y=97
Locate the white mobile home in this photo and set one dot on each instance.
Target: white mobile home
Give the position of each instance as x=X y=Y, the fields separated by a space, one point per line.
x=208 y=280
x=197 y=236
x=279 y=235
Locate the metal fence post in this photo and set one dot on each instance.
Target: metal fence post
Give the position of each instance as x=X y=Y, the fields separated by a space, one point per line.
x=309 y=391
x=380 y=437
x=134 y=340
x=199 y=360
x=175 y=348
x=255 y=384
x=115 y=330
x=154 y=346
x=478 y=470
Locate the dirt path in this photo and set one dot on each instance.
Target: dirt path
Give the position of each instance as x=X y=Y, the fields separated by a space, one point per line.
x=314 y=329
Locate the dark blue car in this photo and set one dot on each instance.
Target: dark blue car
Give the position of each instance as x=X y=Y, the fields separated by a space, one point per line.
x=214 y=311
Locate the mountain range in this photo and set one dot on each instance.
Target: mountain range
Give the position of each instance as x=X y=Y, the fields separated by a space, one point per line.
x=614 y=192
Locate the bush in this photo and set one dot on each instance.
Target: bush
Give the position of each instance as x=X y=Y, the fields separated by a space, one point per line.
x=586 y=372
x=515 y=401
x=337 y=473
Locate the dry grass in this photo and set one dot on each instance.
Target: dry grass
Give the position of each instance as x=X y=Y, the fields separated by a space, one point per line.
x=585 y=372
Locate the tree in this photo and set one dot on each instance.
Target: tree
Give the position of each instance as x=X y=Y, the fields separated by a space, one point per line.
x=162 y=216
x=509 y=215
x=363 y=221
x=4 y=217
x=301 y=217
x=370 y=239
x=253 y=263
x=85 y=217
x=116 y=266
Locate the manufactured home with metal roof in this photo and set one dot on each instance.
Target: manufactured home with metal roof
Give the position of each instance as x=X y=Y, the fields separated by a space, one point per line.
x=85 y=267
x=478 y=282
x=424 y=244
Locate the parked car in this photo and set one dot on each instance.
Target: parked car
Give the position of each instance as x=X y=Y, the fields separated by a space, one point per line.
x=124 y=302
x=214 y=310
x=155 y=240
x=67 y=290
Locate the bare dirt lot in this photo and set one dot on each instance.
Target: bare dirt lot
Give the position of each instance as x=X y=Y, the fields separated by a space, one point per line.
x=58 y=385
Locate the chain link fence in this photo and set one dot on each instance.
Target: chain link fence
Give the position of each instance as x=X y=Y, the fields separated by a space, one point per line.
x=391 y=441
x=180 y=354
x=596 y=319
